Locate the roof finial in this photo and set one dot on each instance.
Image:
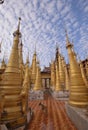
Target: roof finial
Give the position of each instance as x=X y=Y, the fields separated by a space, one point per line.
x=67 y=39
x=35 y=49
x=17 y=32
x=19 y=24
x=56 y=45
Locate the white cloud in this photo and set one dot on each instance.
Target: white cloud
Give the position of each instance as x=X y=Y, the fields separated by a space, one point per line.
x=60 y=5
x=86 y=9
x=43 y=23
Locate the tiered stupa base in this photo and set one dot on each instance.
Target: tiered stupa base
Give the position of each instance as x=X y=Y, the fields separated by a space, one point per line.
x=79 y=116
x=61 y=95
x=19 y=124
x=36 y=95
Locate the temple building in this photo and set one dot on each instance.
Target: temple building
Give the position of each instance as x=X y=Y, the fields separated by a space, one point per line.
x=55 y=98
x=46 y=77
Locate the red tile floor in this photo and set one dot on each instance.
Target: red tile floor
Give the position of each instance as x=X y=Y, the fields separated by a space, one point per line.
x=55 y=118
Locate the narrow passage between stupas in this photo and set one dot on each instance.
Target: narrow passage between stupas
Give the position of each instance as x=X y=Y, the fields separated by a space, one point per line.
x=54 y=119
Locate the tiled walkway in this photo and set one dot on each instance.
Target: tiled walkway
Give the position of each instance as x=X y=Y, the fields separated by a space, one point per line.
x=55 y=118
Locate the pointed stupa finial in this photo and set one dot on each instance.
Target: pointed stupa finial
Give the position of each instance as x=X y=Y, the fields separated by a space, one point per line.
x=19 y=23
x=17 y=32
x=57 y=52
x=35 y=49
x=56 y=45
x=21 y=52
x=67 y=38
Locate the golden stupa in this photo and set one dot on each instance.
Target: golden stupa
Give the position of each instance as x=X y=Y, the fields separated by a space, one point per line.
x=63 y=64
x=78 y=90
x=38 y=81
x=53 y=75
x=21 y=64
x=58 y=85
x=67 y=79
x=25 y=89
x=33 y=69
x=61 y=72
x=10 y=84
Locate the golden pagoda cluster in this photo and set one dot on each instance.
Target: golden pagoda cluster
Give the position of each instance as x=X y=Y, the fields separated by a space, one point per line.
x=72 y=77
x=78 y=88
x=36 y=83
x=59 y=73
x=16 y=80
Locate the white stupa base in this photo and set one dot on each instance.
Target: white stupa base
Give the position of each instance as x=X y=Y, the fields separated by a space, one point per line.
x=61 y=95
x=36 y=95
x=79 y=116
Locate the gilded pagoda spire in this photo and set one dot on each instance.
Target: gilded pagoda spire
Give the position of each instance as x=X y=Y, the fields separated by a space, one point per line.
x=61 y=72
x=57 y=53
x=53 y=75
x=21 y=64
x=67 y=77
x=11 y=84
x=20 y=53
x=63 y=63
x=67 y=38
x=38 y=81
x=25 y=89
x=17 y=32
x=78 y=90
x=13 y=64
x=58 y=85
x=33 y=73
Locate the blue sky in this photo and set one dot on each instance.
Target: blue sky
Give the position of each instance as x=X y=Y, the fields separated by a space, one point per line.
x=43 y=23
